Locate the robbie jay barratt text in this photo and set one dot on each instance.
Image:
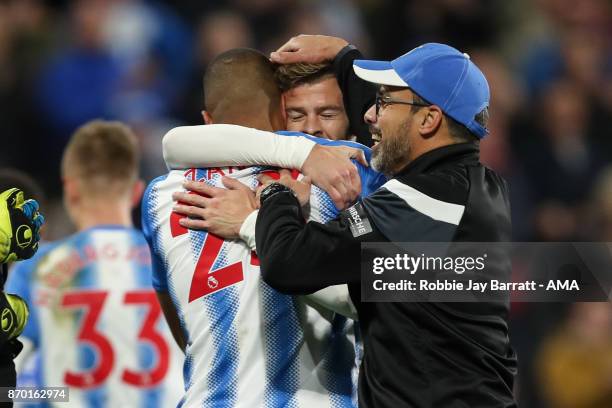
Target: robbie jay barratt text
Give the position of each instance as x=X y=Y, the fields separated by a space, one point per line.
x=472 y=285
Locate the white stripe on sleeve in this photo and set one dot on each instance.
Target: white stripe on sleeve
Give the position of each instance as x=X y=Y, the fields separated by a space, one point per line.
x=433 y=208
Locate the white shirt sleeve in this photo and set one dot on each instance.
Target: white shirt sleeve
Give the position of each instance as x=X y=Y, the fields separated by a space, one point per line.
x=232 y=145
x=335 y=298
x=247 y=230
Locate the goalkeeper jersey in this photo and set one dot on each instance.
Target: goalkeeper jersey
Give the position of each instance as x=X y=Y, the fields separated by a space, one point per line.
x=96 y=322
x=247 y=344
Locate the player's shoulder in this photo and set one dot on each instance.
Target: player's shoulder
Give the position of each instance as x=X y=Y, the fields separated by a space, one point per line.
x=24 y=273
x=44 y=248
x=153 y=184
x=158 y=188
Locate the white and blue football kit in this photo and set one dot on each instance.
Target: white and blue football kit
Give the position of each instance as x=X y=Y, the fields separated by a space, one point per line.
x=247 y=344
x=96 y=322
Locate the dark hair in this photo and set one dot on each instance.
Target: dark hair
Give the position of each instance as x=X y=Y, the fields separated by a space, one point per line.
x=458 y=131
x=291 y=75
x=240 y=81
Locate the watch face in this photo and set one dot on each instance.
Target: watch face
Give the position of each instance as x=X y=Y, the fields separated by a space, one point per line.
x=271 y=190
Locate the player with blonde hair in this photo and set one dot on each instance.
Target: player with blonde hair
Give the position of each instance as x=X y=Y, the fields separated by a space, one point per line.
x=94 y=316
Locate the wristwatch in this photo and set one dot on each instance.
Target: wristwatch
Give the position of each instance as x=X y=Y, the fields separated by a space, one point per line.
x=273 y=189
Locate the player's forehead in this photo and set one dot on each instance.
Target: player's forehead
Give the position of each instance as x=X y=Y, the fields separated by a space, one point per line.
x=322 y=92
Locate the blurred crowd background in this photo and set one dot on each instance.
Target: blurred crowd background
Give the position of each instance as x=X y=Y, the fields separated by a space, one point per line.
x=549 y=64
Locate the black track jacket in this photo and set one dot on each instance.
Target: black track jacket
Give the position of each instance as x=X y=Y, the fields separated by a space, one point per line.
x=415 y=354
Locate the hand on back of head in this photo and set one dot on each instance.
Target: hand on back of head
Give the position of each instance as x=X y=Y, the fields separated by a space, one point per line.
x=308 y=48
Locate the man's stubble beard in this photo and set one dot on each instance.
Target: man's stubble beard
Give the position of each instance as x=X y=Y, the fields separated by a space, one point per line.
x=393 y=151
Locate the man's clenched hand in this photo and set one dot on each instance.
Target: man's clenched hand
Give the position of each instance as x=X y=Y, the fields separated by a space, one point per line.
x=331 y=169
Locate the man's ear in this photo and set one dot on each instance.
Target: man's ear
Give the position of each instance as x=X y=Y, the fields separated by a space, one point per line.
x=71 y=190
x=431 y=121
x=208 y=120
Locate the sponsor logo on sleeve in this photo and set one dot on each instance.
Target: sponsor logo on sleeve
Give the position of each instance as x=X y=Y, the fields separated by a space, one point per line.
x=358 y=220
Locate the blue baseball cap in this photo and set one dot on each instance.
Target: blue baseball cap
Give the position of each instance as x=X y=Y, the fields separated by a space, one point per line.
x=441 y=75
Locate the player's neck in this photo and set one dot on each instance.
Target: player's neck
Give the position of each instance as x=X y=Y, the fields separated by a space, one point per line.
x=103 y=213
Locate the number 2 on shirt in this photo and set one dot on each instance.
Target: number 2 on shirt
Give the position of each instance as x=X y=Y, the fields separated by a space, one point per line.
x=205 y=280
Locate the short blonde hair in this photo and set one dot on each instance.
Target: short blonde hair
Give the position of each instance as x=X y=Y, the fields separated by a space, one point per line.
x=289 y=76
x=102 y=155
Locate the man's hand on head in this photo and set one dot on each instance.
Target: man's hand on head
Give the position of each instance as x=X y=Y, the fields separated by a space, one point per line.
x=331 y=169
x=309 y=49
x=219 y=211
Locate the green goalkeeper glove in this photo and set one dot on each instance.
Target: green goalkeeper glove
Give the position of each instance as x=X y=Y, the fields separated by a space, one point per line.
x=14 y=314
x=20 y=224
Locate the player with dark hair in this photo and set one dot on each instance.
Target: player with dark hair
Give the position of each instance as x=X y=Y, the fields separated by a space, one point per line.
x=246 y=344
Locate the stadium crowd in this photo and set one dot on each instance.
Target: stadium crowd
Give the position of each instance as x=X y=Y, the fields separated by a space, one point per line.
x=549 y=64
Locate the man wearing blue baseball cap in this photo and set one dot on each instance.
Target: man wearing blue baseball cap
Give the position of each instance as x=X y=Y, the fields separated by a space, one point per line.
x=430 y=112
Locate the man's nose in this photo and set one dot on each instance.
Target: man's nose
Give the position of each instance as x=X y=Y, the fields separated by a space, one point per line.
x=312 y=126
x=370 y=116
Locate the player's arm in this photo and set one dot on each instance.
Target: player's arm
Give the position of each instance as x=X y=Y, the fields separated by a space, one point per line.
x=206 y=146
x=329 y=167
x=357 y=94
x=334 y=298
x=286 y=243
x=300 y=257
x=171 y=315
x=159 y=273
